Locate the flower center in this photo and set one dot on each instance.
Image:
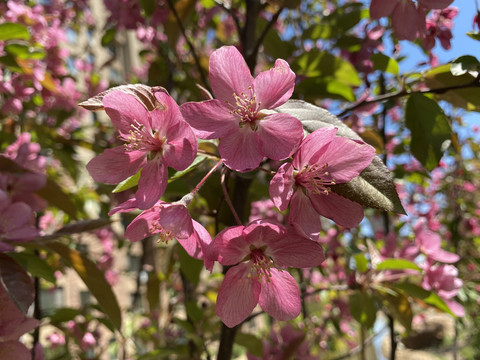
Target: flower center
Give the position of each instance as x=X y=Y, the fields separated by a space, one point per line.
x=164 y=234
x=315 y=179
x=142 y=139
x=246 y=108
x=261 y=264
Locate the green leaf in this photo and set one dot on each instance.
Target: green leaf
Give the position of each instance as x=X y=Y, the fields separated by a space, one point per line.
x=361 y=262
x=397 y=264
x=9 y=31
x=465 y=64
x=400 y=308
x=54 y=194
x=108 y=37
x=198 y=160
x=127 y=183
x=24 y=51
x=189 y=266
x=316 y=63
x=475 y=35
x=430 y=130
x=253 y=344
x=194 y=312
x=363 y=309
x=426 y=296
x=64 y=315
x=385 y=63
x=148 y=6
x=35 y=265
x=467 y=97
x=374 y=187
x=93 y=278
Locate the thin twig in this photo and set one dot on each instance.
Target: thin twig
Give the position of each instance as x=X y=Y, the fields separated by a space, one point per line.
x=404 y=92
x=266 y=30
x=227 y=197
x=232 y=14
x=171 y=6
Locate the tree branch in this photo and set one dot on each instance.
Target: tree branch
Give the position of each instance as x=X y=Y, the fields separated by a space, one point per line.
x=265 y=31
x=404 y=92
x=171 y=6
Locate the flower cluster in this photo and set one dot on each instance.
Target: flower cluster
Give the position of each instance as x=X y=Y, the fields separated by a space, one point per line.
x=159 y=134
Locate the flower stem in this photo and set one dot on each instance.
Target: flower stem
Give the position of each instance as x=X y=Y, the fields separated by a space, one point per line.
x=227 y=197
x=212 y=170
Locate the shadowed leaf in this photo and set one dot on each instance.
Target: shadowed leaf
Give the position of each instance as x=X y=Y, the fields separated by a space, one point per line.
x=17 y=283
x=93 y=278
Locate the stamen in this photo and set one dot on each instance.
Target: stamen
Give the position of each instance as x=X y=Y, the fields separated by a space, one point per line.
x=315 y=179
x=164 y=234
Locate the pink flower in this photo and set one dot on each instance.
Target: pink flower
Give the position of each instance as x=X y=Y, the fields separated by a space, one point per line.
x=260 y=252
x=322 y=160
x=247 y=134
x=15 y=222
x=169 y=221
x=443 y=279
x=408 y=20
x=430 y=244
x=153 y=140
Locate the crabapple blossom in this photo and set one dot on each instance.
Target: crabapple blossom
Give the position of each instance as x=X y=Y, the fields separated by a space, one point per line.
x=260 y=252
x=430 y=244
x=408 y=19
x=15 y=222
x=322 y=160
x=153 y=141
x=443 y=280
x=247 y=134
x=169 y=221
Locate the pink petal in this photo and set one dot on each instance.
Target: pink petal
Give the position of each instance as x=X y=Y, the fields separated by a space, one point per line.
x=280 y=296
x=181 y=150
x=303 y=217
x=166 y=115
x=295 y=251
x=455 y=307
x=442 y=256
x=115 y=165
x=229 y=73
x=381 y=8
x=140 y=227
x=407 y=22
x=260 y=233
x=123 y=109
x=344 y=212
x=209 y=119
x=126 y=206
x=281 y=186
x=312 y=145
x=229 y=246
x=237 y=296
x=240 y=151
x=346 y=158
x=280 y=134
x=152 y=184
x=16 y=215
x=275 y=86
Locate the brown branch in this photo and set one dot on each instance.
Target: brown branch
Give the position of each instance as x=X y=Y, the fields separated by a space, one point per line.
x=266 y=30
x=404 y=92
x=171 y=6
